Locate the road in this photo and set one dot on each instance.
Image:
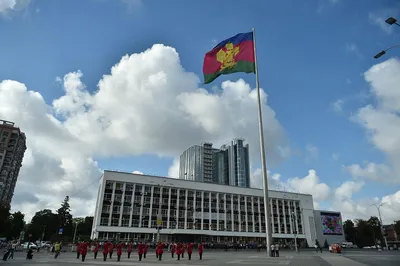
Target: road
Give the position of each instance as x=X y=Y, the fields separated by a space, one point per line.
x=218 y=258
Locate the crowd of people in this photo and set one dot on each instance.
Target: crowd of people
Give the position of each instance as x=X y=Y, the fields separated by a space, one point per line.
x=107 y=248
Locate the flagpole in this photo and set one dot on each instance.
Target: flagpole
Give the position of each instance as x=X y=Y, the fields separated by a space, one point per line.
x=263 y=160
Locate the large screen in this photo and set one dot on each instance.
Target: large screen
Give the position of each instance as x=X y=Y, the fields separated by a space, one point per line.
x=331 y=224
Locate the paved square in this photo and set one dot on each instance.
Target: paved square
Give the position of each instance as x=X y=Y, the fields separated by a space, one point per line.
x=218 y=258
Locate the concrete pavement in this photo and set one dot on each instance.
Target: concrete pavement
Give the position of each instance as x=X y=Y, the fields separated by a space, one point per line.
x=218 y=258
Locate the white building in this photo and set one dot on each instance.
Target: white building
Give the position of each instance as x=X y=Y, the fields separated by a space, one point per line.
x=128 y=204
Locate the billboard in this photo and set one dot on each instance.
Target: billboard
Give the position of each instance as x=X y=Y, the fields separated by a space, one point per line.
x=331 y=223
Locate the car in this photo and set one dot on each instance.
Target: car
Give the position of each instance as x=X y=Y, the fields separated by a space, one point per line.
x=31 y=245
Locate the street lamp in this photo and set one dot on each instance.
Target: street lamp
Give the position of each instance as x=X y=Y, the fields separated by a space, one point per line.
x=384 y=51
x=391 y=21
x=380 y=219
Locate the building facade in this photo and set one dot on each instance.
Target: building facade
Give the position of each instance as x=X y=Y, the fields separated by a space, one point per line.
x=229 y=165
x=128 y=206
x=329 y=227
x=12 y=149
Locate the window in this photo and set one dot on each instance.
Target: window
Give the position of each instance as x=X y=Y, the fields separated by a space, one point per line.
x=118 y=186
x=107 y=196
x=125 y=222
x=146 y=211
x=126 y=210
x=181 y=225
x=128 y=187
x=104 y=221
x=128 y=198
x=106 y=208
x=114 y=221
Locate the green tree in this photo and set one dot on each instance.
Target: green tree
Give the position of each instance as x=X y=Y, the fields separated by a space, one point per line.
x=397 y=227
x=16 y=225
x=65 y=217
x=375 y=225
x=365 y=236
x=349 y=231
x=4 y=220
x=44 y=223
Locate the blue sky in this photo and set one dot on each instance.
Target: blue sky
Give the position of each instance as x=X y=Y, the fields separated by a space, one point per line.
x=311 y=54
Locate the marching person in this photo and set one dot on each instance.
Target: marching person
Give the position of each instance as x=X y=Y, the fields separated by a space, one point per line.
x=78 y=249
x=119 y=250
x=129 y=249
x=140 y=251
x=57 y=248
x=160 y=250
x=172 y=249
x=200 y=248
x=277 y=250
x=84 y=248
x=145 y=248
x=110 y=249
x=179 y=248
x=190 y=250
x=96 y=249
x=183 y=250
x=105 y=250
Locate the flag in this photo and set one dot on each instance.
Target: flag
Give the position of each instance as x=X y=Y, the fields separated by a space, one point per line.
x=232 y=55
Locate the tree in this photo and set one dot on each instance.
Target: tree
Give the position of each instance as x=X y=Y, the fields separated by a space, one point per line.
x=397 y=227
x=16 y=225
x=44 y=224
x=365 y=235
x=65 y=217
x=375 y=224
x=350 y=232
x=83 y=227
x=4 y=220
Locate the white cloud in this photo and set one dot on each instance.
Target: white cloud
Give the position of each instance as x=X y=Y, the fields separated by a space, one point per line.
x=337 y=106
x=378 y=18
x=147 y=104
x=137 y=172
x=382 y=122
x=7 y=6
x=173 y=170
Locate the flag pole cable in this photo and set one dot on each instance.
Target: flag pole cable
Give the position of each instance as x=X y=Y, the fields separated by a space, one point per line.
x=263 y=160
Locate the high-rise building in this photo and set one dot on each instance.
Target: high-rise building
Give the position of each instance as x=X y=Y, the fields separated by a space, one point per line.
x=12 y=149
x=229 y=165
x=196 y=163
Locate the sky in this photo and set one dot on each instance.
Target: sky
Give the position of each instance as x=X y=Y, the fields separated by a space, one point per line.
x=118 y=85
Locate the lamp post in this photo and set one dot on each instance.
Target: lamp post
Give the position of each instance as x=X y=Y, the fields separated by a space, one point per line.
x=380 y=219
x=391 y=21
x=384 y=51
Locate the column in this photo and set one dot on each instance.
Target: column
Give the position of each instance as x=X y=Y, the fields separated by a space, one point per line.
x=202 y=209
x=240 y=213
x=245 y=207
x=112 y=204
x=132 y=202
x=253 y=216
x=169 y=206
x=151 y=206
x=295 y=214
x=141 y=206
x=284 y=216
x=232 y=217
x=290 y=217
x=259 y=215
x=186 y=207
x=217 y=204
x=279 y=217
x=270 y=202
x=209 y=210
x=225 y=220
x=177 y=208
x=194 y=209
x=122 y=205
x=159 y=205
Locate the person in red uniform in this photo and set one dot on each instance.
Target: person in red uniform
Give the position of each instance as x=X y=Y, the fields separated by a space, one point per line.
x=78 y=249
x=119 y=250
x=145 y=248
x=172 y=249
x=129 y=249
x=160 y=250
x=105 y=250
x=190 y=250
x=140 y=249
x=96 y=249
x=179 y=248
x=84 y=248
x=110 y=249
x=200 y=248
x=183 y=250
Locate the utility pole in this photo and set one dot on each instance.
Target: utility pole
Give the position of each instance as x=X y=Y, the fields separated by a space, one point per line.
x=378 y=207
